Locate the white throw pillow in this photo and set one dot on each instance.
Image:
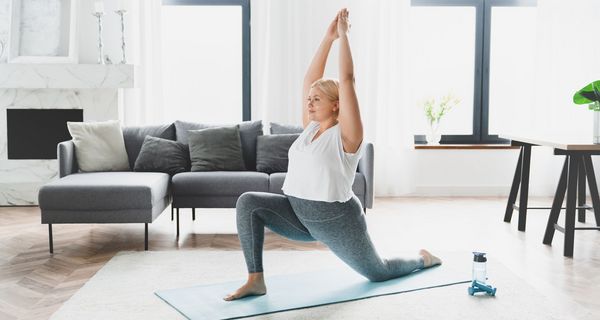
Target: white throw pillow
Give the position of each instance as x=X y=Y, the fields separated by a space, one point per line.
x=99 y=146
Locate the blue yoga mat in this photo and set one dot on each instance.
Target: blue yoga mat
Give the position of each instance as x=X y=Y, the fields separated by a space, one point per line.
x=301 y=290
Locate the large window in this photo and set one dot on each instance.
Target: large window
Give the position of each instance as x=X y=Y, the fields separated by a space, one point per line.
x=206 y=60
x=480 y=51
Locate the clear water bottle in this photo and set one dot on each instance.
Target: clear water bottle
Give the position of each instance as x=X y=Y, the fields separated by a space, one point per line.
x=479 y=267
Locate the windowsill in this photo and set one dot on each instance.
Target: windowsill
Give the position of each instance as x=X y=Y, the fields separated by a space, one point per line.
x=465 y=147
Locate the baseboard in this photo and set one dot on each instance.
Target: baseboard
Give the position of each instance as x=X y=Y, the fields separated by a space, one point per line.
x=445 y=191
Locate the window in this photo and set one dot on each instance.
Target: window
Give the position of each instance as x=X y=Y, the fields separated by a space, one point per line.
x=472 y=49
x=206 y=60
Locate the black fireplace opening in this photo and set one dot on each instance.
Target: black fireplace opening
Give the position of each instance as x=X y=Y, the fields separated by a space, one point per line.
x=34 y=133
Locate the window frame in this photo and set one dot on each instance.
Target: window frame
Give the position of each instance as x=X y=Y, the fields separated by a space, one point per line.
x=483 y=24
x=245 y=4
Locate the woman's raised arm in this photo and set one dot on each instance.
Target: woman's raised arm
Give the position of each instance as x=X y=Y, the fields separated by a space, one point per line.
x=317 y=66
x=349 y=115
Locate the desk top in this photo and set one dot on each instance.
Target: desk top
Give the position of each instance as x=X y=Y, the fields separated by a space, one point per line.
x=576 y=143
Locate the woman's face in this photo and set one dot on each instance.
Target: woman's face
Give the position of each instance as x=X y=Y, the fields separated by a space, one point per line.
x=320 y=108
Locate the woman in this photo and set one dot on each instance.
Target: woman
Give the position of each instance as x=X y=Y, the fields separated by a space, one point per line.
x=318 y=203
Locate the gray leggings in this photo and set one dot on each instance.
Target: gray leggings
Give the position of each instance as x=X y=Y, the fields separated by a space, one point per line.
x=340 y=226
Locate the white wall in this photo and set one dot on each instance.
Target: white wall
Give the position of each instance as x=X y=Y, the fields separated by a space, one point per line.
x=480 y=172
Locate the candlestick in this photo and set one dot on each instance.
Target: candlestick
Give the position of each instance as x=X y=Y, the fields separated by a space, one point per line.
x=99 y=15
x=121 y=13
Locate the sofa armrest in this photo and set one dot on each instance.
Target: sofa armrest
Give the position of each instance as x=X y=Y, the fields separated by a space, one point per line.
x=67 y=162
x=365 y=166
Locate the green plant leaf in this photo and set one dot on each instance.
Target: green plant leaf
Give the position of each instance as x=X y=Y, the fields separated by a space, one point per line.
x=588 y=94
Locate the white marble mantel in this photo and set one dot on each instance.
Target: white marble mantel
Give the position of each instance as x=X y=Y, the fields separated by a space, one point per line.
x=92 y=87
x=66 y=76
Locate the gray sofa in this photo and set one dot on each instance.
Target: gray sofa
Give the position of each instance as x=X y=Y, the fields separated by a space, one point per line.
x=140 y=197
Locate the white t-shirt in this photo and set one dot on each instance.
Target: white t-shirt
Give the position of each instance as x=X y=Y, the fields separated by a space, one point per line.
x=320 y=170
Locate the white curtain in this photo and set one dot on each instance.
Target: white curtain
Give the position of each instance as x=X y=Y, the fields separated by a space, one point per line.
x=285 y=36
x=286 y=33
x=144 y=104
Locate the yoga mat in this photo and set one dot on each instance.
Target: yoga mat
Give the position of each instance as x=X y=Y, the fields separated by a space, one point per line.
x=301 y=290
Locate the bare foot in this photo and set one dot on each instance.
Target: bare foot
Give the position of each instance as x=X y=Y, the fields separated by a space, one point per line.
x=429 y=260
x=254 y=287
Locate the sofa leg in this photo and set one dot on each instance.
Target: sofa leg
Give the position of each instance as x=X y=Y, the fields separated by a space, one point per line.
x=145 y=236
x=177 y=213
x=171 y=212
x=50 y=243
x=193 y=214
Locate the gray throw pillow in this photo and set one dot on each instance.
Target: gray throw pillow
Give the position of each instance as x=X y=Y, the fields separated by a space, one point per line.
x=135 y=137
x=249 y=130
x=162 y=155
x=272 y=152
x=216 y=149
x=277 y=128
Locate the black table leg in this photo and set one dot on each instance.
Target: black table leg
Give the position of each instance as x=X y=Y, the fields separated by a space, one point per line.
x=571 y=202
x=581 y=192
x=524 y=187
x=514 y=189
x=194 y=214
x=559 y=198
x=591 y=178
x=171 y=212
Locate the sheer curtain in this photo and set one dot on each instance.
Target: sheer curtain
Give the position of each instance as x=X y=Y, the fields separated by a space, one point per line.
x=285 y=36
x=286 y=33
x=144 y=104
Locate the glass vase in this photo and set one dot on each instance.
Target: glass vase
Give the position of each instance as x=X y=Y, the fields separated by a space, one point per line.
x=434 y=136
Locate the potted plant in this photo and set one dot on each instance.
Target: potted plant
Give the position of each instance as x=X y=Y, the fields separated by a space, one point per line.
x=590 y=95
x=434 y=113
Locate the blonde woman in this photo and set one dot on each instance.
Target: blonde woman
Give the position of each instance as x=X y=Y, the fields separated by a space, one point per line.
x=318 y=203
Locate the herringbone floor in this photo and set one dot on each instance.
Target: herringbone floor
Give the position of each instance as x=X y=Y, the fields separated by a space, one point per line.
x=34 y=284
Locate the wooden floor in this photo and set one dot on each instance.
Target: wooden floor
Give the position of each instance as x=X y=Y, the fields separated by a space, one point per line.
x=34 y=283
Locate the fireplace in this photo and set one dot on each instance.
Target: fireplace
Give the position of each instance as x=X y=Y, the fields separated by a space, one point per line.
x=34 y=133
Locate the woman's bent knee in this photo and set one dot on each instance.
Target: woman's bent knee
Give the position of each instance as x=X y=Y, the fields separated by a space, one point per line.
x=245 y=200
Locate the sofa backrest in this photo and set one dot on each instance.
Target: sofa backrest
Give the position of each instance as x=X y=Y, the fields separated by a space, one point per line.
x=134 y=138
x=277 y=128
x=249 y=131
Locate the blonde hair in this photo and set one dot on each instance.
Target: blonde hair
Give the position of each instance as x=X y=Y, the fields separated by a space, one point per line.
x=329 y=87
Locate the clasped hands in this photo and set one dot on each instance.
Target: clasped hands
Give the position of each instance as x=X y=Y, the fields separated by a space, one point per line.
x=339 y=26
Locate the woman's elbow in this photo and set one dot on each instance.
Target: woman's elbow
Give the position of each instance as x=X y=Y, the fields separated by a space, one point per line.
x=347 y=78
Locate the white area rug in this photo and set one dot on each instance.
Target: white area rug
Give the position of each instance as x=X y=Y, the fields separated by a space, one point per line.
x=124 y=289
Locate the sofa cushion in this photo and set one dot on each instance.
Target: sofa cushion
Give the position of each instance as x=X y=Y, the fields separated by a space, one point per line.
x=272 y=152
x=105 y=191
x=219 y=183
x=134 y=138
x=249 y=130
x=99 y=146
x=216 y=149
x=276 y=182
x=163 y=155
x=277 y=128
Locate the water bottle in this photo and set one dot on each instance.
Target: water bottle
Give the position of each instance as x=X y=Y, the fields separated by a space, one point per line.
x=479 y=267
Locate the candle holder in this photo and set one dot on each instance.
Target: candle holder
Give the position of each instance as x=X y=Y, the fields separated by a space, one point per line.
x=99 y=15
x=122 y=13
